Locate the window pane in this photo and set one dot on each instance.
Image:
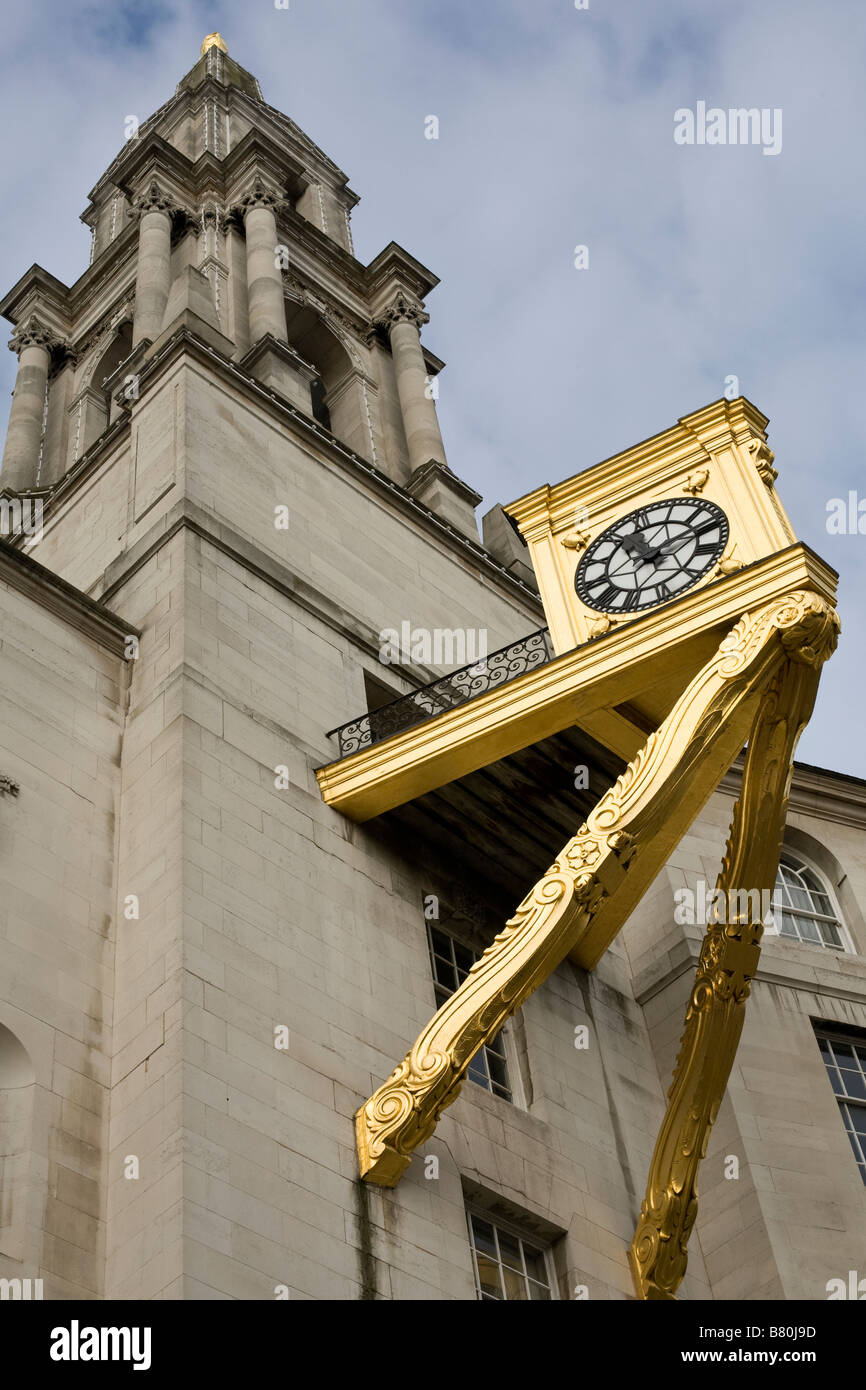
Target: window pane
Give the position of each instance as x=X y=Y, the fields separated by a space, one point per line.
x=830 y=934
x=800 y=898
x=485 y=1241
x=509 y=1250
x=463 y=958
x=488 y=1277
x=515 y=1285
x=844 y=1054
x=498 y=1070
x=809 y=930
x=535 y=1264
x=507 y=1266
x=441 y=943
x=478 y=1071
x=835 y=1081
x=857 y=1115
x=855 y=1084
x=444 y=971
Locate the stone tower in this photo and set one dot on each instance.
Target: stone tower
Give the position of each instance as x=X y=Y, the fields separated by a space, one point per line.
x=229 y=424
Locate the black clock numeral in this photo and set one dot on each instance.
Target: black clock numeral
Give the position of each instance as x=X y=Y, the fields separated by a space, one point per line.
x=605 y=599
x=631 y=601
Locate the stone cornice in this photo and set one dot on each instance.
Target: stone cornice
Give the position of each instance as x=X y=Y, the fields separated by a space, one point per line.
x=393 y=269
x=38 y=290
x=24 y=574
x=143 y=157
x=841 y=976
x=815 y=791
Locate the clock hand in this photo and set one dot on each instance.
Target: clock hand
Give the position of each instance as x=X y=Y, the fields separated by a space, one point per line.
x=671 y=546
x=636 y=544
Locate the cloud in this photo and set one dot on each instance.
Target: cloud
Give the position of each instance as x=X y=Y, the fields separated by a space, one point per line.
x=556 y=128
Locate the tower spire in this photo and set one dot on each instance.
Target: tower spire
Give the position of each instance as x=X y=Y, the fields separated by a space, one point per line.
x=213 y=41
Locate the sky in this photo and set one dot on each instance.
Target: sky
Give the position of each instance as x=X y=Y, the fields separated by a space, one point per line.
x=556 y=129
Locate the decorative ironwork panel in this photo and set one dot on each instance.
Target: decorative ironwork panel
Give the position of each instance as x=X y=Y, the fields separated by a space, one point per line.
x=448 y=692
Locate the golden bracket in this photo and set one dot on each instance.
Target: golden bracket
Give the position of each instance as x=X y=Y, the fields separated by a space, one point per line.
x=583 y=899
x=728 y=962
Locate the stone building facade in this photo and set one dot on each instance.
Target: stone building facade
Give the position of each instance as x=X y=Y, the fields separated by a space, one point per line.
x=227 y=426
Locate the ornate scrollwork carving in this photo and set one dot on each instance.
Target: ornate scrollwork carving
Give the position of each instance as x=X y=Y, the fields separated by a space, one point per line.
x=7 y=786
x=597 y=878
x=762 y=457
x=808 y=628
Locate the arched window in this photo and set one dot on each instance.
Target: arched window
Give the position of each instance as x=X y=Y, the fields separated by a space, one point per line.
x=17 y=1080
x=805 y=907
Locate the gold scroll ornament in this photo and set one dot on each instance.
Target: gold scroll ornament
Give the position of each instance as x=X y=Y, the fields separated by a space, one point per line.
x=729 y=958
x=601 y=874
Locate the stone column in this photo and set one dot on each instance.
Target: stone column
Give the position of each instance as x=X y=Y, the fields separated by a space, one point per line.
x=153 y=274
x=33 y=343
x=403 y=321
x=267 y=311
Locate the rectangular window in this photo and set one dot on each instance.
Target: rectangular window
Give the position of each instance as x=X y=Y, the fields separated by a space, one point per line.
x=845 y=1059
x=507 y=1265
x=451 y=962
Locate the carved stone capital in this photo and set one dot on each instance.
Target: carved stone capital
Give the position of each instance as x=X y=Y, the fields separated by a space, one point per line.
x=154 y=198
x=32 y=332
x=402 y=310
x=7 y=786
x=258 y=195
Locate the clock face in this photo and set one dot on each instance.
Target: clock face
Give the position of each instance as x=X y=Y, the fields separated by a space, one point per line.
x=652 y=555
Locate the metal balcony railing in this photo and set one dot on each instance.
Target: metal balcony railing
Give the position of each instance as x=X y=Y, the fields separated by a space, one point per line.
x=446 y=693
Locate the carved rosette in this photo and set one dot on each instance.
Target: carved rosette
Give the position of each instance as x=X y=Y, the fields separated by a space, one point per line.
x=808 y=629
x=594 y=883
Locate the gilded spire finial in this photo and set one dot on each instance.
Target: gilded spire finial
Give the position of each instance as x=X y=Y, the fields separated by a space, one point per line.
x=213 y=41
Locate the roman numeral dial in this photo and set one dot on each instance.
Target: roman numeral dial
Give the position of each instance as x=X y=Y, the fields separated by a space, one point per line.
x=652 y=555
